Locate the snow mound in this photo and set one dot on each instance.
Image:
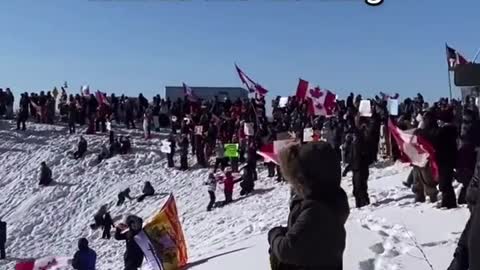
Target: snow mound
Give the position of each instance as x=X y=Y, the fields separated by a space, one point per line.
x=388 y=234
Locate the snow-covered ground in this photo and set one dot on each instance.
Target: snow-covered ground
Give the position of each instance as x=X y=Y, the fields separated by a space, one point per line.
x=389 y=234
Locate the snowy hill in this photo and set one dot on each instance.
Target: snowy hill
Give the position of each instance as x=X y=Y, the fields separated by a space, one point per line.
x=49 y=221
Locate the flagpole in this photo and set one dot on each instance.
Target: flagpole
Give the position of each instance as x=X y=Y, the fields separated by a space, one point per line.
x=449 y=83
x=476 y=55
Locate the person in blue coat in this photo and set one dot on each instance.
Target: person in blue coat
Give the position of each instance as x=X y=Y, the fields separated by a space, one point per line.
x=85 y=258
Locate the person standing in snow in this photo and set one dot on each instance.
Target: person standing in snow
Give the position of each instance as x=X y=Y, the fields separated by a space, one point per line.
x=107 y=226
x=133 y=257
x=23 y=112
x=85 y=258
x=147 y=191
x=45 y=175
x=360 y=164
x=228 y=183
x=170 y=155
x=184 y=153
x=3 y=239
x=446 y=152
x=315 y=236
x=211 y=187
x=219 y=156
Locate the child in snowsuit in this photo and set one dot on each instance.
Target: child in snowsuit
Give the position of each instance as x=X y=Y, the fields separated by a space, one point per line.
x=211 y=187
x=147 y=191
x=228 y=184
x=82 y=148
x=45 y=175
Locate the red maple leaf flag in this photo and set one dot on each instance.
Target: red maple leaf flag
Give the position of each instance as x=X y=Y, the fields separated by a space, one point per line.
x=302 y=89
x=252 y=86
x=415 y=149
x=322 y=102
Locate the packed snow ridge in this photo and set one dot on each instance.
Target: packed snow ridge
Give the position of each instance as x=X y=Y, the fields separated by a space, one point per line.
x=392 y=233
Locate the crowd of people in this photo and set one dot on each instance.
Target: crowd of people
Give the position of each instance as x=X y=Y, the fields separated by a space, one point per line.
x=202 y=128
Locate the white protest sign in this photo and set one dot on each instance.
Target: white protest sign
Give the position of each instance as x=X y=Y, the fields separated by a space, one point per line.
x=283 y=102
x=166 y=147
x=308 y=134
x=198 y=130
x=248 y=129
x=393 y=106
x=365 y=109
x=109 y=126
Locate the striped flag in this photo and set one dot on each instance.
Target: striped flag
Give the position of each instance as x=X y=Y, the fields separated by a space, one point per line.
x=454 y=58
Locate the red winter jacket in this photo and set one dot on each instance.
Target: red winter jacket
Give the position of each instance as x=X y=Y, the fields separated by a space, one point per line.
x=228 y=183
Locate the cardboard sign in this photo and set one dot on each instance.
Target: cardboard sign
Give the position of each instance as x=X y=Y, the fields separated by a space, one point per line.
x=166 y=147
x=308 y=134
x=231 y=150
x=248 y=129
x=198 y=130
x=109 y=126
x=393 y=106
x=365 y=108
x=283 y=102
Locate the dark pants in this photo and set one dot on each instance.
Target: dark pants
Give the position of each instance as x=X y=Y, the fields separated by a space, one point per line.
x=228 y=197
x=279 y=174
x=106 y=233
x=212 y=200
x=183 y=162
x=2 y=250
x=360 y=186
x=234 y=164
x=445 y=185
x=271 y=169
x=171 y=164
x=71 y=127
x=21 y=121
x=129 y=122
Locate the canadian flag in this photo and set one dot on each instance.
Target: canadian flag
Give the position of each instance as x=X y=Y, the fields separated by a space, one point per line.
x=270 y=151
x=47 y=263
x=252 y=86
x=415 y=149
x=323 y=102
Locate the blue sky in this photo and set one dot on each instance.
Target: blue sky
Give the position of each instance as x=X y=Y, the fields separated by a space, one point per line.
x=133 y=46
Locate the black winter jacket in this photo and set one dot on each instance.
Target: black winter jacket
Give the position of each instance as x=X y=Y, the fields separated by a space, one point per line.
x=133 y=256
x=315 y=237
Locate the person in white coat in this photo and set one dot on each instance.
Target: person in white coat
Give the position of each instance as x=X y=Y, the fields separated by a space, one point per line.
x=211 y=187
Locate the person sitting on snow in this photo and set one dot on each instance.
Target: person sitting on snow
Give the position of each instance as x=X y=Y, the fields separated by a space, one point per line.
x=45 y=175
x=123 y=195
x=147 y=191
x=126 y=146
x=82 y=148
x=85 y=258
x=98 y=217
